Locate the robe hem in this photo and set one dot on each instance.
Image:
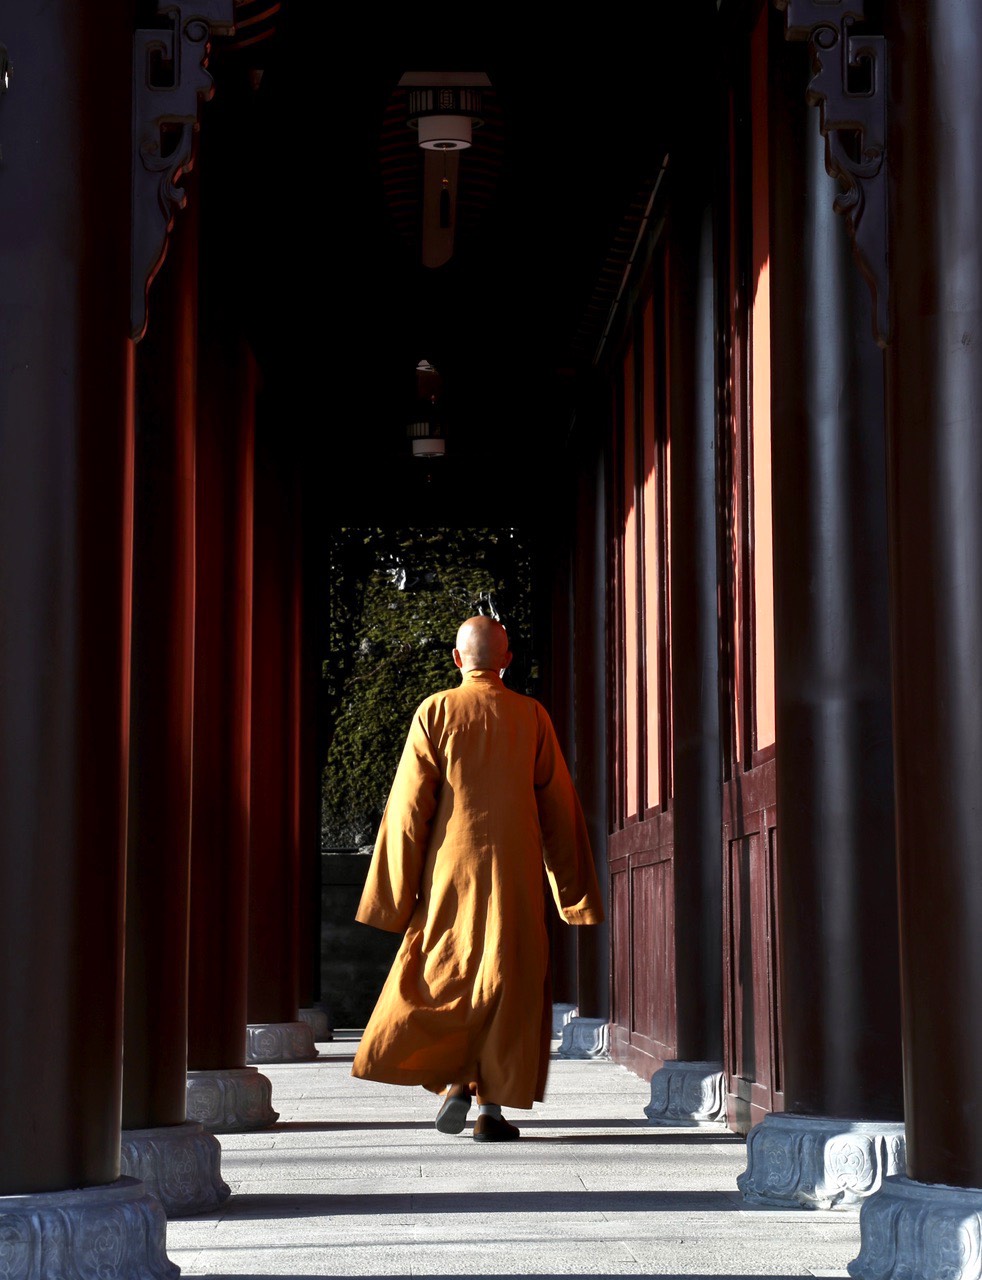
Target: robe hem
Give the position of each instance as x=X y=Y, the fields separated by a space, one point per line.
x=391 y=1076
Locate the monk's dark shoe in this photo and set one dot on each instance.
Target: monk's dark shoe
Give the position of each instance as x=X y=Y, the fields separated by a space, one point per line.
x=495 y=1129
x=456 y=1104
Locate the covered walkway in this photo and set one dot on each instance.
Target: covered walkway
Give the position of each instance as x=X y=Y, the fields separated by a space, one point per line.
x=354 y=1180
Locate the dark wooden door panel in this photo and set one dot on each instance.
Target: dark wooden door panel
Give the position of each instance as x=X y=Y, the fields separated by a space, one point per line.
x=643 y=943
x=652 y=920
x=620 y=931
x=742 y=1049
x=774 y=972
x=752 y=1031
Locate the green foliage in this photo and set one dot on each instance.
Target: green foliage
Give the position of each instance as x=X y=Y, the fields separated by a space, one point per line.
x=397 y=599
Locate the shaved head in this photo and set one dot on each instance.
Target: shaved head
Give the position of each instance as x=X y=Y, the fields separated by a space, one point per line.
x=482 y=643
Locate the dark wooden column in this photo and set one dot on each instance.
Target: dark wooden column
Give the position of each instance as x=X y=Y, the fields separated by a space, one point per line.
x=934 y=403
x=159 y=845
x=274 y=867
x=273 y=979
x=222 y=705
x=65 y=577
x=695 y=700
x=223 y=1092
x=313 y=590
x=590 y=715
x=839 y=985
x=225 y=506
x=314 y=587
x=559 y=700
x=177 y=1160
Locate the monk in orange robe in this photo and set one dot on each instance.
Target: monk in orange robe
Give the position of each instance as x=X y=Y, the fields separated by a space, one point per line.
x=482 y=802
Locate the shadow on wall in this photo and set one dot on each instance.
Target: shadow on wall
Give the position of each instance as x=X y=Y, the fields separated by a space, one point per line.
x=355 y=959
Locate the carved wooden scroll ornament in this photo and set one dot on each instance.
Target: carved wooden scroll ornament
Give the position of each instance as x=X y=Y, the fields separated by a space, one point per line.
x=170 y=80
x=848 y=85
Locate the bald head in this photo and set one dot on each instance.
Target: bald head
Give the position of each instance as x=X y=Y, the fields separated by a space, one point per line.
x=482 y=644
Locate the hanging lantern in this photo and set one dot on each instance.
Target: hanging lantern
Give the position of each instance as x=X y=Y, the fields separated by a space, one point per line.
x=444 y=107
x=426 y=440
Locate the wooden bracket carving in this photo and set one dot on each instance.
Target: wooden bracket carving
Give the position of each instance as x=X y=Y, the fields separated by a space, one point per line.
x=848 y=85
x=170 y=80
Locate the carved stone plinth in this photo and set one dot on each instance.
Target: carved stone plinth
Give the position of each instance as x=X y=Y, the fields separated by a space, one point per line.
x=585 y=1038
x=814 y=1162
x=232 y=1101
x=180 y=1164
x=115 y=1232
x=280 y=1042
x=688 y=1093
x=561 y=1014
x=319 y=1023
x=915 y=1231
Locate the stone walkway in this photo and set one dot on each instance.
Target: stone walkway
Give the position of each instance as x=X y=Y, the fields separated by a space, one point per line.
x=355 y=1181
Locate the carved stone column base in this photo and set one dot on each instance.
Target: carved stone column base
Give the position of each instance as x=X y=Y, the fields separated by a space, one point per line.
x=916 y=1231
x=814 y=1162
x=115 y=1232
x=319 y=1023
x=232 y=1101
x=180 y=1164
x=280 y=1042
x=688 y=1093
x=585 y=1038
x=561 y=1014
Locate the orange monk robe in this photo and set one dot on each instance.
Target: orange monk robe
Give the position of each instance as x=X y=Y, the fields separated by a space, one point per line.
x=481 y=799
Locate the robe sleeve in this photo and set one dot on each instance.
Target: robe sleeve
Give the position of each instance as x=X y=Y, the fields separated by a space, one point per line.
x=565 y=842
x=393 y=882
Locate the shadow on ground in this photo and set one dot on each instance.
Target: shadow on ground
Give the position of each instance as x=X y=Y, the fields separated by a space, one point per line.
x=643 y=1132
x=340 y=1126
x=309 y=1204
x=622 y=1275
x=642 y=1139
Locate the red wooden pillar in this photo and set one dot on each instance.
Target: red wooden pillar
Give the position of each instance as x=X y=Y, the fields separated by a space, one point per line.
x=835 y=772
x=695 y=702
x=65 y=579
x=690 y=1086
x=223 y=1092
x=935 y=419
x=176 y=1158
x=275 y=1031
x=930 y=1223
x=841 y=1130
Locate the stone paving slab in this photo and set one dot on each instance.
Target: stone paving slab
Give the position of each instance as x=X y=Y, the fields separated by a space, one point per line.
x=354 y=1180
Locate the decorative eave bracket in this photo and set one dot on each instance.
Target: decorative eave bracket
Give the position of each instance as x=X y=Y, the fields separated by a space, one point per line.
x=170 y=80
x=848 y=85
